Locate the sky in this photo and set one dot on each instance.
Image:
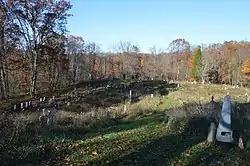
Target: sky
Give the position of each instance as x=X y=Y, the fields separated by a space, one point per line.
x=158 y=22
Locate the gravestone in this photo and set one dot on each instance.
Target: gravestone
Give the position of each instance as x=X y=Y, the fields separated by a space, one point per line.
x=211 y=132
x=248 y=98
x=130 y=95
x=26 y=104
x=21 y=105
x=224 y=132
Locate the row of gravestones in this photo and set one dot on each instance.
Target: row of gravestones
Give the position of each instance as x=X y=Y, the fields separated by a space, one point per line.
x=139 y=77
x=24 y=105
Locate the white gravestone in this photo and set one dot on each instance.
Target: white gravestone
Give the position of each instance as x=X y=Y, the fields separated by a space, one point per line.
x=21 y=106
x=26 y=104
x=130 y=95
x=224 y=132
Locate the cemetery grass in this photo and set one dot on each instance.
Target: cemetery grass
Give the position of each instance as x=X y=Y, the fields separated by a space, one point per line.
x=143 y=135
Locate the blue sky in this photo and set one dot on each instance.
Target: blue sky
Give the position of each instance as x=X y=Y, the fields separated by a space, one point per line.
x=158 y=22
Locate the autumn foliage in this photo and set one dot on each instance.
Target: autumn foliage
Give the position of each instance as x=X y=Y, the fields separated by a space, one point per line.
x=37 y=54
x=246 y=69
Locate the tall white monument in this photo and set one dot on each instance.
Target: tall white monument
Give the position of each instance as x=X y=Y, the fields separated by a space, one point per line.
x=224 y=132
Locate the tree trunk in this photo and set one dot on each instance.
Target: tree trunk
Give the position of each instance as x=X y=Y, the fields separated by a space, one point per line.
x=178 y=72
x=52 y=76
x=3 y=82
x=2 y=59
x=33 y=75
x=34 y=63
x=74 y=68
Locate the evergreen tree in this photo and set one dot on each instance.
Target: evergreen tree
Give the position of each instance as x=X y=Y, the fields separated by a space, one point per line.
x=194 y=74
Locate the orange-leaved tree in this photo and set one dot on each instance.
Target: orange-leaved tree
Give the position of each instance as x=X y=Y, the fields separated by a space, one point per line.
x=245 y=69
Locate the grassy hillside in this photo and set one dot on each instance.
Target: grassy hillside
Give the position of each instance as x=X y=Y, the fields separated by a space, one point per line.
x=84 y=134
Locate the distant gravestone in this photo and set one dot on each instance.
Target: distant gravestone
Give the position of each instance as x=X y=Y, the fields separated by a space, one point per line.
x=248 y=98
x=21 y=105
x=130 y=95
x=26 y=104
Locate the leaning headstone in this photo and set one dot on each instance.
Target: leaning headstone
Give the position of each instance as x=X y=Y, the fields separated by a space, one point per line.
x=211 y=132
x=41 y=99
x=44 y=98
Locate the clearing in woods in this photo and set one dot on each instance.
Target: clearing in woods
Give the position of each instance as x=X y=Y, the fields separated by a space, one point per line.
x=140 y=135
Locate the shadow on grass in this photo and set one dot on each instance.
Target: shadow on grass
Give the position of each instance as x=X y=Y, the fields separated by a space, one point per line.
x=162 y=150
x=119 y=93
x=182 y=134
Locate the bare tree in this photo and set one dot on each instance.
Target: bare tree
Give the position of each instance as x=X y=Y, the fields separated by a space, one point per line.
x=38 y=21
x=128 y=55
x=75 y=48
x=180 y=48
x=209 y=60
x=92 y=50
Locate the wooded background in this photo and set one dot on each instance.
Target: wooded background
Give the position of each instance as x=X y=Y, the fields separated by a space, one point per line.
x=38 y=54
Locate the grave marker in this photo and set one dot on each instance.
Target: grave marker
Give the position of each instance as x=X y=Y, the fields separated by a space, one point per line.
x=224 y=132
x=26 y=104
x=21 y=105
x=130 y=95
x=211 y=132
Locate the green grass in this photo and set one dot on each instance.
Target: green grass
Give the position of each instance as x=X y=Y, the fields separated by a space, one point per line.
x=144 y=137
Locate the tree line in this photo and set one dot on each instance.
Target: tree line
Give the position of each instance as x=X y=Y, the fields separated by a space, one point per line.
x=38 y=54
